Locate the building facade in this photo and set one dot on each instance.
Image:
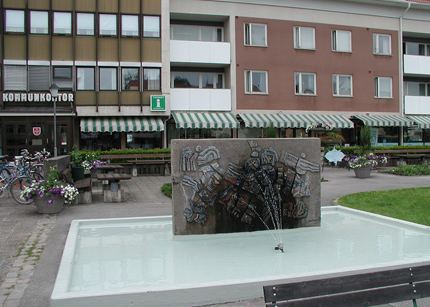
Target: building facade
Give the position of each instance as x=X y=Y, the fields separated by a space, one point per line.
x=138 y=73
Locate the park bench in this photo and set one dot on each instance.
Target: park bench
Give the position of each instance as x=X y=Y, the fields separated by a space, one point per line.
x=84 y=187
x=405 y=156
x=146 y=164
x=366 y=289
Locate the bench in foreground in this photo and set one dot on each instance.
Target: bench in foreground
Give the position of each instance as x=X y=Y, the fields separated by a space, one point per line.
x=366 y=289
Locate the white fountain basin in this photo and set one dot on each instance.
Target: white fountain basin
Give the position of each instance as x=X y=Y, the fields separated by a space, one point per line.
x=138 y=261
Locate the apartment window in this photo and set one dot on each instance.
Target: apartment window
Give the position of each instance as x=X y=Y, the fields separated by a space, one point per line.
x=84 y=24
x=151 y=26
x=342 y=85
x=305 y=83
x=85 y=78
x=62 y=23
x=38 y=78
x=15 y=78
x=255 y=34
x=108 y=79
x=39 y=22
x=416 y=89
x=130 y=25
x=151 y=79
x=197 y=80
x=62 y=77
x=107 y=24
x=341 y=41
x=130 y=79
x=255 y=82
x=196 y=33
x=15 y=21
x=383 y=87
x=382 y=44
x=304 y=38
x=416 y=49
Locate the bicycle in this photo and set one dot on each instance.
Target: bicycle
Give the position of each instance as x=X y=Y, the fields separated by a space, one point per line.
x=15 y=184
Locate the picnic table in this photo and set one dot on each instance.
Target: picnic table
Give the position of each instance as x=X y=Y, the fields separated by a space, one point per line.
x=112 y=191
x=111 y=168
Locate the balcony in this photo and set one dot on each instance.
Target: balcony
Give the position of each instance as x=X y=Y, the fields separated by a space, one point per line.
x=190 y=99
x=216 y=53
x=416 y=65
x=417 y=105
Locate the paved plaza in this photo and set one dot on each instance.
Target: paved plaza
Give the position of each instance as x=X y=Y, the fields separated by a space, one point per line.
x=32 y=243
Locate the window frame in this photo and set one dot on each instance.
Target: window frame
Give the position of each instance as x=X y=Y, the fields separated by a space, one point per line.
x=138 y=79
x=249 y=82
x=100 y=25
x=298 y=38
x=299 y=91
x=37 y=75
x=145 y=88
x=59 y=80
x=215 y=76
x=77 y=24
x=6 y=21
x=338 y=76
x=335 y=40
x=159 y=26
x=425 y=45
x=137 y=26
x=54 y=20
x=23 y=77
x=426 y=86
x=376 y=44
x=378 y=87
x=46 y=22
x=247 y=31
x=100 y=78
x=78 y=68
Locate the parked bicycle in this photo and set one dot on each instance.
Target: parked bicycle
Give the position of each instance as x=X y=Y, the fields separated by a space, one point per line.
x=11 y=181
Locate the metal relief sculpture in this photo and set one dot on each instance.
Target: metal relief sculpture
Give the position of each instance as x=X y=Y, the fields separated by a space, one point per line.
x=266 y=190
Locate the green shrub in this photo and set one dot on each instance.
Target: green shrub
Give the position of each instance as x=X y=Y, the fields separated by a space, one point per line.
x=412 y=170
x=167 y=189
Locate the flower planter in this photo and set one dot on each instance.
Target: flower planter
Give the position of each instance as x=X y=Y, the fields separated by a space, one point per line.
x=362 y=172
x=42 y=205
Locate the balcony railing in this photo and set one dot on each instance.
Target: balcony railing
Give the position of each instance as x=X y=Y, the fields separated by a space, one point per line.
x=416 y=65
x=199 y=52
x=417 y=105
x=190 y=99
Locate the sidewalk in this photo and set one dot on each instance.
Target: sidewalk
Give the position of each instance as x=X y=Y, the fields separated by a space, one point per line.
x=32 y=244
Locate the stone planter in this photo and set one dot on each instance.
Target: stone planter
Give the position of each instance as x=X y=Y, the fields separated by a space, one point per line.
x=42 y=205
x=362 y=172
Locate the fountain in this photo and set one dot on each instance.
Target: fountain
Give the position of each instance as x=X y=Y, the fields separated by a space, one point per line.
x=230 y=209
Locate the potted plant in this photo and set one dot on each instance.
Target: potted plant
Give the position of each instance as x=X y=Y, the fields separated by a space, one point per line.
x=50 y=195
x=77 y=158
x=92 y=162
x=364 y=164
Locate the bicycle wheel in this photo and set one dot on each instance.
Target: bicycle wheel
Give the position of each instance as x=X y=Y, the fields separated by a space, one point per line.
x=19 y=185
x=36 y=176
x=5 y=176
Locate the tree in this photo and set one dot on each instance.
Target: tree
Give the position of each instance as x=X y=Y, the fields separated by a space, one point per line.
x=365 y=135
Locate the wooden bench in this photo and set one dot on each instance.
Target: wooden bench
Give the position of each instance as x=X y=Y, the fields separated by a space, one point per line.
x=405 y=155
x=151 y=164
x=367 y=289
x=112 y=191
x=84 y=187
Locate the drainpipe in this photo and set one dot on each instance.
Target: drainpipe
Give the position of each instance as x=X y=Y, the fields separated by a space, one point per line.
x=165 y=131
x=401 y=69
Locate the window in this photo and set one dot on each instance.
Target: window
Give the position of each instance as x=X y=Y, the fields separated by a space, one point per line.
x=197 y=80
x=130 y=79
x=38 y=22
x=62 y=23
x=383 y=88
x=416 y=89
x=196 y=33
x=84 y=24
x=341 y=41
x=416 y=49
x=108 y=79
x=15 y=78
x=63 y=77
x=85 y=78
x=382 y=44
x=151 y=79
x=107 y=24
x=304 y=38
x=130 y=25
x=255 y=82
x=342 y=85
x=305 y=83
x=38 y=78
x=255 y=34
x=151 y=26
x=15 y=21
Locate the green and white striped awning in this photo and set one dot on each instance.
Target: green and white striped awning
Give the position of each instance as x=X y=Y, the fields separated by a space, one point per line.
x=209 y=120
x=422 y=121
x=385 y=120
x=258 y=120
x=122 y=124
